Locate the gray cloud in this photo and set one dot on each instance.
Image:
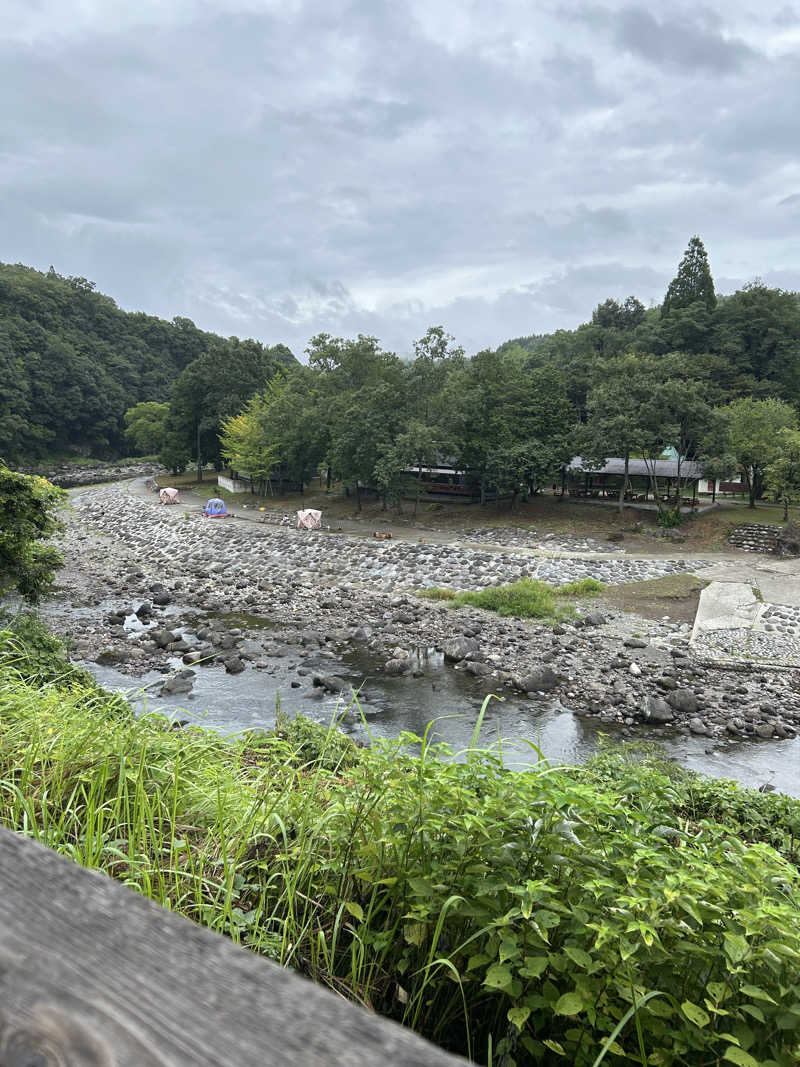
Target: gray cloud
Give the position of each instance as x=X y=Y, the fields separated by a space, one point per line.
x=684 y=43
x=275 y=170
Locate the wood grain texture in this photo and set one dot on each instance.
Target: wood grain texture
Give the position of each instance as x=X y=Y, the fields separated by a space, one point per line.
x=94 y=975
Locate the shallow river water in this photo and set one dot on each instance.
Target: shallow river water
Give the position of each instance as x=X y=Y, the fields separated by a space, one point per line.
x=444 y=696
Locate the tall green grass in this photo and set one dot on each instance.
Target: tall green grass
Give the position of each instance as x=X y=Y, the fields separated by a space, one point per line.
x=530 y=917
x=527 y=598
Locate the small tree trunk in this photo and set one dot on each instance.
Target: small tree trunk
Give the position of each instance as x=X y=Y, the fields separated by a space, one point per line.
x=624 y=486
x=199 y=460
x=358 y=495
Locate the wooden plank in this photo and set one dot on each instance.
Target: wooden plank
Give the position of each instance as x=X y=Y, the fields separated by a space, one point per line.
x=91 y=974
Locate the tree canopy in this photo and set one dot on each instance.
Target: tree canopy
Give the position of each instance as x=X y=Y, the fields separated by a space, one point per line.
x=72 y=363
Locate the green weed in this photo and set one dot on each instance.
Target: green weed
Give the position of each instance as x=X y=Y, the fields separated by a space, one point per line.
x=526 y=598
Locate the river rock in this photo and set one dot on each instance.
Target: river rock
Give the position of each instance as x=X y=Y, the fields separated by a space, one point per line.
x=542 y=680
x=476 y=668
x=399 y=665
x=658 y=710
x=233 y=665
x=683 y=700
x=458 y=648
x=163 y=637
x=177 y=683
x=697 y=726
x=330 y=683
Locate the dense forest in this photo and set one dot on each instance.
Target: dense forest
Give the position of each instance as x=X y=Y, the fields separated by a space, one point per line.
x=72 y=363
x=705 y=378
x=708 y=378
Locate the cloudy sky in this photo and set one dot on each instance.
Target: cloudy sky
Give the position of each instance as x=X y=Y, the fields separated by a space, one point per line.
x=279 y=169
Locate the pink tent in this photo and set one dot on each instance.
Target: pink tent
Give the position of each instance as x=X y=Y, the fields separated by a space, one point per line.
x=170 y=496
x=309 y=519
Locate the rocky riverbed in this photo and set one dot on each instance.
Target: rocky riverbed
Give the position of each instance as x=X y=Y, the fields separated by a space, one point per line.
x=68 y=475
x=145 y=587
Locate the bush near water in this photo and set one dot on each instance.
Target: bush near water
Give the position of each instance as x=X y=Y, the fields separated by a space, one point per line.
x=627 y=910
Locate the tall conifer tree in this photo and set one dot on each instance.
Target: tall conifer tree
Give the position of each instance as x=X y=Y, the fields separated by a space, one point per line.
x=693 y=282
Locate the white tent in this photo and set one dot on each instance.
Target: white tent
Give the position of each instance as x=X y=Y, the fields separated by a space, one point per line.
x=309 y=519
x=170 y=496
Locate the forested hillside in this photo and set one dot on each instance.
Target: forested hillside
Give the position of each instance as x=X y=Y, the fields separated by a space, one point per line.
x=716 y=380
x=72 y=363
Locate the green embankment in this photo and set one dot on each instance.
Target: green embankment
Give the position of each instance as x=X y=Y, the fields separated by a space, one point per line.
x=626 y=908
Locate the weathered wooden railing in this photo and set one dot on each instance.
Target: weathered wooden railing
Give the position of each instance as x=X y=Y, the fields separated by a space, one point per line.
x=94 y=975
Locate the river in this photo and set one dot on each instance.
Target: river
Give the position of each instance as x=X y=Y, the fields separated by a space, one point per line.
x=446 y=698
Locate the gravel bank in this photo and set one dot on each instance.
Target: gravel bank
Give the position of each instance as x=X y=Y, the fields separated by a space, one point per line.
x=326 y=593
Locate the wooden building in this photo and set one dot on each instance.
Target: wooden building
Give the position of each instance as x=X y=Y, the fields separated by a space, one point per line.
x=673 y=480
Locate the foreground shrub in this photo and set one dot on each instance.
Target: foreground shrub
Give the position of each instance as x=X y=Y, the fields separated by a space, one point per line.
x=32 y=653
x=535 y=917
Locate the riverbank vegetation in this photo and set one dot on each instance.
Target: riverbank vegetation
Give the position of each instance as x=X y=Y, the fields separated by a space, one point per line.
x=527 y=598
x=627 y=908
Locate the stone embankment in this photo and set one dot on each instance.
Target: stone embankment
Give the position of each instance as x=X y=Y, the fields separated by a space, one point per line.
x=327 y=593
x=755 y=537
x=68 y=476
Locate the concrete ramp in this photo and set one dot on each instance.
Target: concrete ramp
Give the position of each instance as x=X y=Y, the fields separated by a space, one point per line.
x=734 y=624
x=726 y=606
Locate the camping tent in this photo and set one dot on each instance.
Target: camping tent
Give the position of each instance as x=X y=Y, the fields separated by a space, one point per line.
x=309 y=519
x=215 y=508
x=169 y=496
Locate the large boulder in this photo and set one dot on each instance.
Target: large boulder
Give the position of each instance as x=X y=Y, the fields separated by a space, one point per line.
x=683 y=700
x=658 y=710
x=458 y=648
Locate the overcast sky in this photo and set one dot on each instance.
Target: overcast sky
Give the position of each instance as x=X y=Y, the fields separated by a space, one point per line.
x=280 y=169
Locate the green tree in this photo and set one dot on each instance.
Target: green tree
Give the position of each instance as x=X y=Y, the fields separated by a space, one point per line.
x=245 y=446
x=782 y=476
x=146 y=426
x=214 y=387
x=693 y=282
x=614 y=427
x=757 y=330
x=27 y=518
x=753 y=430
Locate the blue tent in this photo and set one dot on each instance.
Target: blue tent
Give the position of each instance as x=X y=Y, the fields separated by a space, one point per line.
x=215 y=508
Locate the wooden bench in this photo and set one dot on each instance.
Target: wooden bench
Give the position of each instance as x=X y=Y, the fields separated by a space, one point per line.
x=94 y=975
